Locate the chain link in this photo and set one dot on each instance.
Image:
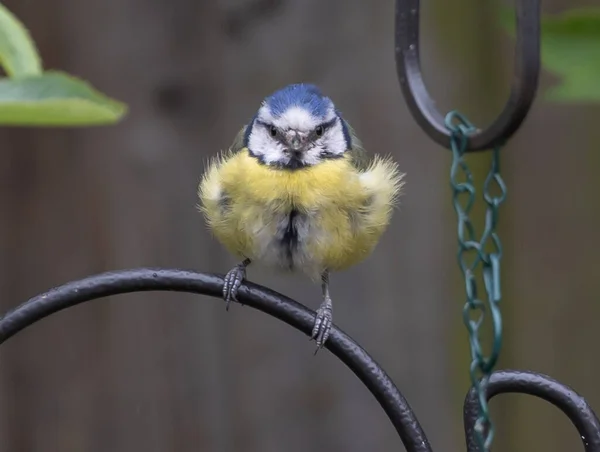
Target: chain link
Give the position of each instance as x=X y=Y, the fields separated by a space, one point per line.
x=474 y=310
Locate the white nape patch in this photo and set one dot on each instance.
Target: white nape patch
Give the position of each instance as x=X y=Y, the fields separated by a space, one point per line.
x=295 y=117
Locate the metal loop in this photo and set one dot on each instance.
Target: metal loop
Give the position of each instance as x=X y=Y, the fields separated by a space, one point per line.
x=524 y=84
x=469 y=250
x=494 y=200
x=468 y=191
x=458 y=124
x=471 y=290
x=566 y=399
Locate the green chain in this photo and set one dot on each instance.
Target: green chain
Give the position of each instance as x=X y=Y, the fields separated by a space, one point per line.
x=474 y=309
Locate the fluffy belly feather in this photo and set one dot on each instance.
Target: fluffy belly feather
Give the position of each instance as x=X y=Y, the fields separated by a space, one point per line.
x=295 y=240
x=325 y=217
x=285 y=244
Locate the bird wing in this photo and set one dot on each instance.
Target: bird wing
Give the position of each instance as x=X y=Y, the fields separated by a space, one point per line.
x=238 y=142
x=359 y=156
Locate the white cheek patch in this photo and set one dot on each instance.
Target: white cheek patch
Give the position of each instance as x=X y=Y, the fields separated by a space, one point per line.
x=335 y=139
x=264 y=146
x=332 y=142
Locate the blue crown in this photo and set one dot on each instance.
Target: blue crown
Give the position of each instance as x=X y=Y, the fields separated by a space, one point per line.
x=302 y=95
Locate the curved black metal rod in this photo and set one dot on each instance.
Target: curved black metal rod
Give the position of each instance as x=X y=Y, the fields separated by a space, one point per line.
x=302 y=318
x=524 y=84
x=263 y=299
x=544 y=387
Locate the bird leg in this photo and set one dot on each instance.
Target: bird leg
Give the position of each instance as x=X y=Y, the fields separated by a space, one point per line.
x=324 y=315
x=233 y=281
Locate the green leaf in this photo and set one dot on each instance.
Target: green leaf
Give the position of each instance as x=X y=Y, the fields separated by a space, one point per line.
x=18 y=53
x=570 y=49
x=55 y=99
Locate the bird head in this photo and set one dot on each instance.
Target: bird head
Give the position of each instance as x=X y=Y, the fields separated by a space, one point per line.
x=297 y=127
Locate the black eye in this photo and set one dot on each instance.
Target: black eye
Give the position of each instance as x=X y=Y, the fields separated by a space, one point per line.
x=273 y=131
x=319 y=131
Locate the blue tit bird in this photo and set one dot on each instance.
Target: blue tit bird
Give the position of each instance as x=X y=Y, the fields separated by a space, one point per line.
x=297 y=191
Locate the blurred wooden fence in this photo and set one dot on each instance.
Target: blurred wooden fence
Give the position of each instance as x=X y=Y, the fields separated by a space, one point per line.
x=170 y=372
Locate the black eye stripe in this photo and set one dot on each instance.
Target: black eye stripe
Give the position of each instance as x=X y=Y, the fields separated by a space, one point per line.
x=328 y=124
x=278 y=137
x=324 y=127
x=264 y=124
x=313 y=134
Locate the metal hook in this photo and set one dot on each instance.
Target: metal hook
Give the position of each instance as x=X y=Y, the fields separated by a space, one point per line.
x=524 y=84
x=566 y=399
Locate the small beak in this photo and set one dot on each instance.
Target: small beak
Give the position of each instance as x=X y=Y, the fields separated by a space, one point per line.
x=296 y=140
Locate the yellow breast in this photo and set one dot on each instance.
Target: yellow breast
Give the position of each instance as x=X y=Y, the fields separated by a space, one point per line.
x=243 y=177
x=327 y=216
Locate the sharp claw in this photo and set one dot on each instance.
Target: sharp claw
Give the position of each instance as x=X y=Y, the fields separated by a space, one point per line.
x=321 y=338
x=323 y=322
x=233 y=281
x=315 y=331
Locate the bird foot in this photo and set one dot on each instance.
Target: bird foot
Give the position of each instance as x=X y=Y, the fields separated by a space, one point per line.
x=233 y=281
x=323 y=321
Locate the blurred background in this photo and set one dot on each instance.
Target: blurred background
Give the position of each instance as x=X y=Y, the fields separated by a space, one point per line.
x=171 y=372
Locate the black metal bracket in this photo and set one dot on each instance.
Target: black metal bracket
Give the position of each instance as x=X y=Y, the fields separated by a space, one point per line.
x=300 y=317
x=422 y=106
